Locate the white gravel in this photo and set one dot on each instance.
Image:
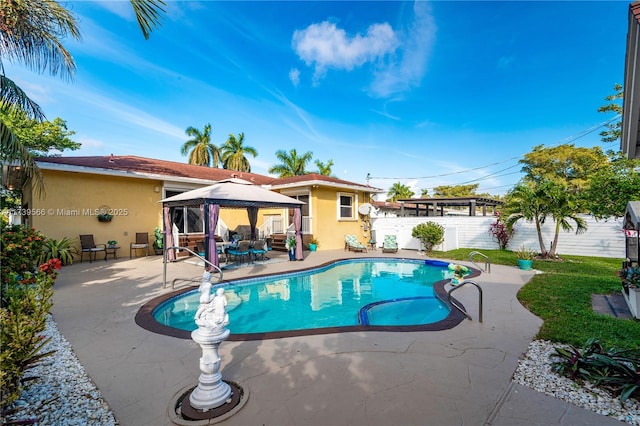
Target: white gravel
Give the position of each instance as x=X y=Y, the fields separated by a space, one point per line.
x=534 y=371
x=63 y=394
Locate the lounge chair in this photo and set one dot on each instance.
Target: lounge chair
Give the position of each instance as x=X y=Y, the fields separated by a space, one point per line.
x=89 y=246
x=390 y=244
x=351 y=243
x=142 y=243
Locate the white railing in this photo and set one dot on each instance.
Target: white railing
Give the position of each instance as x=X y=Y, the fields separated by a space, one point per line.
x=275 y=225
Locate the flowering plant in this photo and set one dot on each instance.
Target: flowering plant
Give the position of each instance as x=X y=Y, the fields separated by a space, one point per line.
x=20 y=248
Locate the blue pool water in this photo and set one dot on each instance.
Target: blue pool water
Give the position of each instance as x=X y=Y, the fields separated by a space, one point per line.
x=381 y=292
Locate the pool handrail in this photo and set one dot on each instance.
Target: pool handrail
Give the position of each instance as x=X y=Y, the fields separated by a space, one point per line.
x=164 y=261
x=487 y=264
x=455 y=305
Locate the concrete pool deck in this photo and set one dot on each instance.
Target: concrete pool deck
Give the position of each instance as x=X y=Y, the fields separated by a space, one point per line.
x=460 y=376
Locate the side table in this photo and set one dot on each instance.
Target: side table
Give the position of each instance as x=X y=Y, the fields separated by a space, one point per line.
x=111 y=251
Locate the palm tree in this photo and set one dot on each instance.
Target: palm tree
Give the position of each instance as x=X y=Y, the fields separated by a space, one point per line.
x=30 y=34
x=398 y=191
x=526 y=201
x=324 y=169
x=563 y=208
x=200 y=149
x=290 y=163
x=233 y=154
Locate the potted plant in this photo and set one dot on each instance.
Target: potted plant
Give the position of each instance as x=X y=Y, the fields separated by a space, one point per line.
x=157 y=244
x=525 y=258
x=630 y=276
x=105 y=217
x=313 y=244
x=290 y=244
x=112 y=243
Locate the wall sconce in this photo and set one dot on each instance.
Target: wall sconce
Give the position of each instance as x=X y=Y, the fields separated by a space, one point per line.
x=156 y=189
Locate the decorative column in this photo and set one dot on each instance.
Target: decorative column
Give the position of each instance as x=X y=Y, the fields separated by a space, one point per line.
x=211 y=318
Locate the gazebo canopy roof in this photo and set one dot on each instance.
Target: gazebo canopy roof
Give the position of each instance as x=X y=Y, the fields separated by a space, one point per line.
x=632 y=216
x=232 y=193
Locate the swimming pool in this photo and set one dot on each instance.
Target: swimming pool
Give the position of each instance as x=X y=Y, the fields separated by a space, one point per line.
x=357 y=294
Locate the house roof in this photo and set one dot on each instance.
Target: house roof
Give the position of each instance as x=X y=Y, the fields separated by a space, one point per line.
x=142 y=167
x=320 y=180
x=150 y=168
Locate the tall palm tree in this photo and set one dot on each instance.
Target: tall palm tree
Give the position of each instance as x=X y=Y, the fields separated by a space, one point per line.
x=233 y=154
x=324 y=169
x=290 y=163
x=200 y=149
x=398 y=191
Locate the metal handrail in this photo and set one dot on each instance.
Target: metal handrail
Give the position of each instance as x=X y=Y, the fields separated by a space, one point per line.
x=164 y=272
x=455 y=305
x=487 y=264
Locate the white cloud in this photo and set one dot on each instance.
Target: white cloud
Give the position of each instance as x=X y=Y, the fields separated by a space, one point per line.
x=410 y=65
x=294 y=76
x=399 y=58
x=326 y=46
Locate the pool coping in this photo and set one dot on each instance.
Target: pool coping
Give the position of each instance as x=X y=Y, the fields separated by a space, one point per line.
x=144 y=317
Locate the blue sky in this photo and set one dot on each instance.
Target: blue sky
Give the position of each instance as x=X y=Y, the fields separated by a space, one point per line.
x=425 y=93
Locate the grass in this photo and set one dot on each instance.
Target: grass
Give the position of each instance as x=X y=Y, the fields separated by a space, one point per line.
x=561 y=296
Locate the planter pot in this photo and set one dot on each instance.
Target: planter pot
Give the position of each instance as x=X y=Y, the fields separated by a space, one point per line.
x=157 y=251
x=312 y=247
x=632 y=297
x=292 y=255
x=525 y=265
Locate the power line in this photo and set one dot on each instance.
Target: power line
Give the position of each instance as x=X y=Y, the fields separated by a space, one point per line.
x=566 y=140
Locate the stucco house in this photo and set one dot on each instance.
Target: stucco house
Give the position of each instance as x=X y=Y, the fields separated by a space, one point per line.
x=130 y=188
x=630 y=140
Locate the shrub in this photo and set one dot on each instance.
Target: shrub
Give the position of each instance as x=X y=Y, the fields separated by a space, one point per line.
x=63 y=249
x=23 y=316
x=430 y=234
x=615 y=370
x=20 y=249
x=25 y=301
x=499 y=232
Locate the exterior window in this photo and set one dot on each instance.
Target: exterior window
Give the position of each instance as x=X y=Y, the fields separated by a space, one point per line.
x=346 y=206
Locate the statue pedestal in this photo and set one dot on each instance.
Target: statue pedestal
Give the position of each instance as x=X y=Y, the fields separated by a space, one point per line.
x=211 y=391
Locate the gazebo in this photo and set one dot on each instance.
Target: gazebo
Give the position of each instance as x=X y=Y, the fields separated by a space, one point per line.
x=230 y=193
x=631 y=225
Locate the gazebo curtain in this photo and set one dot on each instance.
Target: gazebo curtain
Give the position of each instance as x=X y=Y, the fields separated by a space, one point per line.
x=212 y=222
x=252 y=212
x=297 y=220
x=168 y=236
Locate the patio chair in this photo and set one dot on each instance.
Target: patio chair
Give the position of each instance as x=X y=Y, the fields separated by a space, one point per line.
x=89 y=246
x=240 y=251
x=142 y=243
x=390 y=244
x=258 y=249
x=351 y=243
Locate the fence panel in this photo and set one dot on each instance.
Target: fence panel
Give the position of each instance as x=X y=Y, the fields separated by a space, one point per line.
x=603 y=238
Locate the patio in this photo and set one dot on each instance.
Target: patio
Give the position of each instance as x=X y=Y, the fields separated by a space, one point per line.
x=452 y=377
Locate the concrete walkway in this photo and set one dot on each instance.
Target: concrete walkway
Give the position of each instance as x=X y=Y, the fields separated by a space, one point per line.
x=460 y=376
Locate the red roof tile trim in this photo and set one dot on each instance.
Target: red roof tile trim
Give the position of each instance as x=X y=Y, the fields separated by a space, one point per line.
x=634 y=9
x=131 y=163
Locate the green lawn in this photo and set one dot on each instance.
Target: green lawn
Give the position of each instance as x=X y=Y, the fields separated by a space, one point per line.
x=561 y=296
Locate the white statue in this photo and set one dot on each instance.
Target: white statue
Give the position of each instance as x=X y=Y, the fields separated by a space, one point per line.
x=212 y=312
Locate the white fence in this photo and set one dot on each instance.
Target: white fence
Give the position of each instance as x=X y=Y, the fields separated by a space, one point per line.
x=603 y=238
